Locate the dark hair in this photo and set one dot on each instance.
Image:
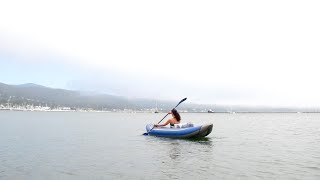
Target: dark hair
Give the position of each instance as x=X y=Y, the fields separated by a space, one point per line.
x=176 y=114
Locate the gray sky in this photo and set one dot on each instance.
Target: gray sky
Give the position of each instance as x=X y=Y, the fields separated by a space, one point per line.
x=238 y=52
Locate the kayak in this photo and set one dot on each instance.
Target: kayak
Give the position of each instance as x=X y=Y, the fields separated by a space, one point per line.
x=180 y=131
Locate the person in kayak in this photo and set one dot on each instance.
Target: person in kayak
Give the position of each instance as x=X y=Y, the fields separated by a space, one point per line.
x=174 y=120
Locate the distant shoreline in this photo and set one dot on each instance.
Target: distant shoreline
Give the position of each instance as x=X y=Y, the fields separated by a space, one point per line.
x=129 y=111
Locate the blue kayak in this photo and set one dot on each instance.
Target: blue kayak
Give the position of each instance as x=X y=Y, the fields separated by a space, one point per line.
x=180 y=132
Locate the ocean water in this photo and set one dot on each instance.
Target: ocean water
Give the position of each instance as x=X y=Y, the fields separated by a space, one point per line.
x=74 y=145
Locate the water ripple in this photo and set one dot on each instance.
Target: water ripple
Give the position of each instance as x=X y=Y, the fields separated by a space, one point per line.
x=94 y=146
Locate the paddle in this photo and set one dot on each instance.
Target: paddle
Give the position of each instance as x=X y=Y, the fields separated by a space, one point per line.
x=166 y=115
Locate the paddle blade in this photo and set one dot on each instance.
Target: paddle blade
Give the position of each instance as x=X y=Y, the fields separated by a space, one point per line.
x=181 y=101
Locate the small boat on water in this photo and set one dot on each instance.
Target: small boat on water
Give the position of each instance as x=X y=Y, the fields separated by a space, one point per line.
x=156 y=110
x=180 y=131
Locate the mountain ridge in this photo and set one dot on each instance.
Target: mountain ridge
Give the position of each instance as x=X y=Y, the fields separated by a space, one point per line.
x=38 y=95
x=35 y=94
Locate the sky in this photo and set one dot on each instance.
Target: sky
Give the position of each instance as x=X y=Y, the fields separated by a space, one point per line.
x=213 y=52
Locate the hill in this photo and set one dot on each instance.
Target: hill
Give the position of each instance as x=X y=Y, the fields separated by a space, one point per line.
x=37 y=95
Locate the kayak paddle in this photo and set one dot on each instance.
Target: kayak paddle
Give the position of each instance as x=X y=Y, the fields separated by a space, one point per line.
x=166 y=115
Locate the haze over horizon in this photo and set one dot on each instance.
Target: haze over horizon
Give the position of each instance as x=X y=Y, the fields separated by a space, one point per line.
x=229 y=52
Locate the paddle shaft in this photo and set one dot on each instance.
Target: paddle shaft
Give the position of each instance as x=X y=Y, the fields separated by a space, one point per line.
x=168 y=113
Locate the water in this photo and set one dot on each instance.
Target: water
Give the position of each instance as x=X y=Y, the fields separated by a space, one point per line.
x=68 y=145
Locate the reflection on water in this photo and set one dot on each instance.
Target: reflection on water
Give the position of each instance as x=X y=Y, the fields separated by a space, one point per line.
x=174 y=150
x=201 y=140
x=177 y=157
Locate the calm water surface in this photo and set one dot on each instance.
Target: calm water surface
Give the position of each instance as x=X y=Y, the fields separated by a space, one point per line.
x=73 y=145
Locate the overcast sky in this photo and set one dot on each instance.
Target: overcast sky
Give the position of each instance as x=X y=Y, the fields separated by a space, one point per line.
x=221 y=52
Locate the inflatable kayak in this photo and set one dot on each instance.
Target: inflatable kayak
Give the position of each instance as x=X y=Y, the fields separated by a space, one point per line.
x=180 y=131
